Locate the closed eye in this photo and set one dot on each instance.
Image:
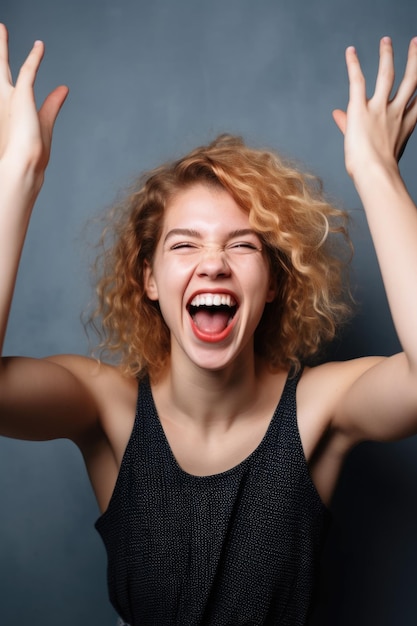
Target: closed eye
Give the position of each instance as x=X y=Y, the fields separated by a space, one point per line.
x=244 y=247
x=184 y=245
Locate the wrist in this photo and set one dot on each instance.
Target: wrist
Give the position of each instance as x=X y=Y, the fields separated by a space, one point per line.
x=369 y=174
x=21 y=180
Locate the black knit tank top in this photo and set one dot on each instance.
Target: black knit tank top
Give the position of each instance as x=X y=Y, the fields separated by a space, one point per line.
x=232 y=549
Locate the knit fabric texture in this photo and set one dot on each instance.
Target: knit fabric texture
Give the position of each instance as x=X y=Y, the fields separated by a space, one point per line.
x=232 y=549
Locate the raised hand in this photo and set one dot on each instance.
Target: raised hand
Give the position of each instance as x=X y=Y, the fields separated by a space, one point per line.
x=25 y=146
x=25 y=132
x=377 y=129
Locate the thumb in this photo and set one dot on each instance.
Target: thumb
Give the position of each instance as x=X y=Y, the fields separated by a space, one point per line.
x=51 y=107
x=339 y=117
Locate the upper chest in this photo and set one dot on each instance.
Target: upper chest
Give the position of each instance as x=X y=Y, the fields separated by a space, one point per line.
x=198 y=451
x=202 y=449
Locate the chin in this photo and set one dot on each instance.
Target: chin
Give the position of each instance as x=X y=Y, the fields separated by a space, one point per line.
x=215 y=361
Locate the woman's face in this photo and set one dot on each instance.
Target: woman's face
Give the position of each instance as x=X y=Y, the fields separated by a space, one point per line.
x=210 y=277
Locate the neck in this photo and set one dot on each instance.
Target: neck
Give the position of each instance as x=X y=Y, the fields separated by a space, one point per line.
x=211 y=397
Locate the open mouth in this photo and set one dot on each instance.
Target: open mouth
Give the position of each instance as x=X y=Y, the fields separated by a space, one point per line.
x=212 y=313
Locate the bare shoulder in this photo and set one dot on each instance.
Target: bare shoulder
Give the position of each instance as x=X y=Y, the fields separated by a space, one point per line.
x=97 y=376
x=113 y=393
x=331 y=380
x=320 y=393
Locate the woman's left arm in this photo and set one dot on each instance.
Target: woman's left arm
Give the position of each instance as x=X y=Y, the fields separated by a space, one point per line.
x=381 y=401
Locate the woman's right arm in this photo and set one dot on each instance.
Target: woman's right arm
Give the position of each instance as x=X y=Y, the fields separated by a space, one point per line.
x=45 y=398
x=25 y=145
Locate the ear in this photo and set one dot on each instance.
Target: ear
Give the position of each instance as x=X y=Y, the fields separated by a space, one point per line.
x=272 y=290
x=151 y=288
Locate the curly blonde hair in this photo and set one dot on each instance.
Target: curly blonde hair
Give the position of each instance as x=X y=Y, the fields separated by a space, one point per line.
x=304 y=236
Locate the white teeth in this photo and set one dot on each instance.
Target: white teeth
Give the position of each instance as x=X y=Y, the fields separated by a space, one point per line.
x=213 y=299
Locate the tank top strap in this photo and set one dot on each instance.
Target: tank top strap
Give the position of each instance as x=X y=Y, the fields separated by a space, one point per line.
x=147 y=431
x=145 y=404
x=284 y=420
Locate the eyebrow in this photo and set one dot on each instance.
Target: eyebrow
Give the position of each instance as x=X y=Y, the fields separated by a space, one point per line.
x=190 y=232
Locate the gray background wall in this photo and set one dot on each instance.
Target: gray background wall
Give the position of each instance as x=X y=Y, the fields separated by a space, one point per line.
x=149 y=80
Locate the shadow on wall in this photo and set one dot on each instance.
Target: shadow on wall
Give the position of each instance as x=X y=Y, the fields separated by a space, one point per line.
x=371 y=552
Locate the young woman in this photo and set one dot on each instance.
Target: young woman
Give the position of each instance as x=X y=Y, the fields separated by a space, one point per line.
x=211 y=447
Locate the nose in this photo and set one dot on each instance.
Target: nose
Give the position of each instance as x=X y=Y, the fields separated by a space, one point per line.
x=213 y=263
